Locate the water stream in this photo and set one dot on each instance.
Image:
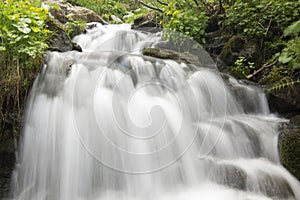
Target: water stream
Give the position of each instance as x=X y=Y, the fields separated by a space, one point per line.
x=109 y=123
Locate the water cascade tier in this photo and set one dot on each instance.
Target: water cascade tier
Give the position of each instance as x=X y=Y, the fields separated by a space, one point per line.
x=109 y=123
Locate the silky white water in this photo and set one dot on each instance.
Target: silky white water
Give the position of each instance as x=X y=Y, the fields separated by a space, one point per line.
x=110 y=124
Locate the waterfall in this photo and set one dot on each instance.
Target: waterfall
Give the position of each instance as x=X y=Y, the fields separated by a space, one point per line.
x=110 y=123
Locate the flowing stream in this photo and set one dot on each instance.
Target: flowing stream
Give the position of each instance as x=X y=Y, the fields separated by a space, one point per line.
x=111 y=124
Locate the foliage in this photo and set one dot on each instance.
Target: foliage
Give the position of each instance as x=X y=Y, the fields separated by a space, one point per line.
x=73 y=27
x=286 y=73
x=23 y=30
x=190 y=22
x=242 y=67
x=290 y=55
x=255 y=18
x=23 y=36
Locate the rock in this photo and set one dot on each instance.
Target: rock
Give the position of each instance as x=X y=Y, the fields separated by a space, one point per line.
x=231 y=49
x=65 y=12
x=229 y=175
x=285 y=101
x=116 y=19
x=7 y=161
x=76 y=12
x=215 y=41
x=273 y=186
x=168 y=54
x=7 y=157
x=60 y=41
x=148 y=20
x=289 y=148
x=239 y=47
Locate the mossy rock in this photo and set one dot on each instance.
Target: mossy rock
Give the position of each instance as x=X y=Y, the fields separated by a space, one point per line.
x=229 y=53
x=147 y=20
x=237 y=47
x=172 y=55
x=289 y=149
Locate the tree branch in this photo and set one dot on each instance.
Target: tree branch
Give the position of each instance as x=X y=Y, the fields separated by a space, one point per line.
x=151 y=7
x=162 y=3
x=262 y=68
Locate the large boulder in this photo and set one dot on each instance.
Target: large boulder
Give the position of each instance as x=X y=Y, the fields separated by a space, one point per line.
x=63 y=12
x=172 y=55
x=67 y=10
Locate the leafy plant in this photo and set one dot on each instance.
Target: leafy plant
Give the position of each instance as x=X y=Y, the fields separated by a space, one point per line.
x=23 y=35
x=190 y=22
x=242 y=67
x=23 y=30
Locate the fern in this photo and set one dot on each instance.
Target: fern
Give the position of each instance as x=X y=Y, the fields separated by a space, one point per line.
x=283 y=84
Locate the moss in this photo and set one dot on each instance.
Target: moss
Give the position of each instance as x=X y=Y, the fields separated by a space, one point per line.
x=234 y=45
x=172 y=55
x=289 y=148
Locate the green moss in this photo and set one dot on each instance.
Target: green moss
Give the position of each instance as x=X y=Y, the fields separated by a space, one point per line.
x=289 y=147
x=235 y=44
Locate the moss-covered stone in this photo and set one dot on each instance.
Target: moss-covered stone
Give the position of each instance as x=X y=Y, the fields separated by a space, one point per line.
x=229 y=53
x=172 y=55
x=289 y=149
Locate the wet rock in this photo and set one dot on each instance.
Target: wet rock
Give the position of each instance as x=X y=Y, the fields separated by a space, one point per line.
x=273 y=186
x=116 y=19
x=60 y=41
x=62 y=13
x=229 y=175
x=148 y=20
x=215 y=41
x=168 y=54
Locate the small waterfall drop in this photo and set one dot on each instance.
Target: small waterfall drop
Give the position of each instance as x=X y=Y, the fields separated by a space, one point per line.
x=111 y=124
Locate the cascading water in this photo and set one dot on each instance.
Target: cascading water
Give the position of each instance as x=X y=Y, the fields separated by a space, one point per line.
x=109 y=123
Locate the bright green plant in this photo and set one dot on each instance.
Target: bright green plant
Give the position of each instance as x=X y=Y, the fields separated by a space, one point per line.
x=290 y=55
x=189 y=21
x=23 y=30
x=23 y=36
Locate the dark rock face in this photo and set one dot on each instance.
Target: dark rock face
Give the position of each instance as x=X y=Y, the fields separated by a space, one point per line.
x=285 y=101
x=7 y=159
x=289 y=146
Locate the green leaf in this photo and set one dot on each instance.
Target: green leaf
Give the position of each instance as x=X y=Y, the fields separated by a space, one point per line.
x=285 y=58
x=293 y=29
